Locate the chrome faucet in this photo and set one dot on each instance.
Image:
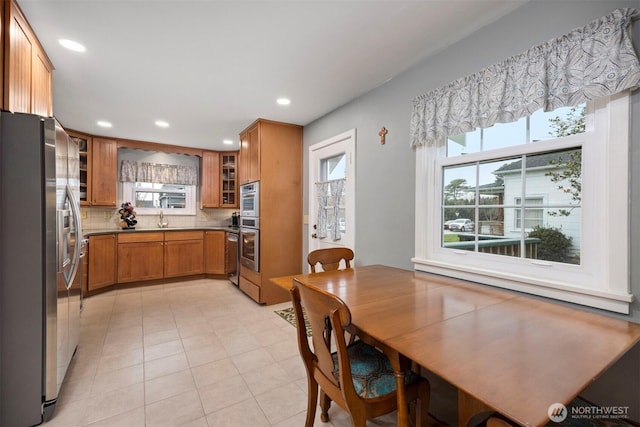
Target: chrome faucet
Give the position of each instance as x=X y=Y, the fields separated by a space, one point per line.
x=162 y=223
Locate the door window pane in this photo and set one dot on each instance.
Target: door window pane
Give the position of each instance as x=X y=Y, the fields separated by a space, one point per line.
x=333 y=167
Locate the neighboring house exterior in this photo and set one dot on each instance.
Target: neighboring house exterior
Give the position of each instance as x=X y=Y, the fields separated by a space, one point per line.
x=543 y=197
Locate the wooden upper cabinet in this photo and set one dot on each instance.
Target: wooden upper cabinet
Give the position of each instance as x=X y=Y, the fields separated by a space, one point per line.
x=218 y=187
x=228 y=180
x=27 y=76
x=243 y=158
x=249 y=164
x=104 y=171
x=84 y=142
x=210 y=180
x=41 y=92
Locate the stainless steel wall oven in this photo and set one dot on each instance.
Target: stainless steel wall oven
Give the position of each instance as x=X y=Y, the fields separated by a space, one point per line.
x=250 y=248
x=250 y=200
x=250 y=226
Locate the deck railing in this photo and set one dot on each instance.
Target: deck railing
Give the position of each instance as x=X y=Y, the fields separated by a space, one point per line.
x=496 y=245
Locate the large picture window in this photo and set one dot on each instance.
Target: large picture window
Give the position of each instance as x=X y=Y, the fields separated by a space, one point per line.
x=538 y=205
x=544 y=224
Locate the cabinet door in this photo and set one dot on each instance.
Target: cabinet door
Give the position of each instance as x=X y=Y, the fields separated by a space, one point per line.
x=102 y=261
x=183 y=258
x=254 y=153
x=243 y=158
x=228 y=180
x=210 y=185
x=104 y=168
x=20 y=56
x=214 y=252
x=140 y=261
x=41 y=93
x=28 y=70
x=84 y=261
x=84 y=145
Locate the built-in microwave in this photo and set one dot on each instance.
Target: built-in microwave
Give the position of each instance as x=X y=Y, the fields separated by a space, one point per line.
x=250 y=200
x=249 y=222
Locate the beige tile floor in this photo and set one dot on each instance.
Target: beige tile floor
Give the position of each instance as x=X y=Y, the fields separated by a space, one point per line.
x=196 y=353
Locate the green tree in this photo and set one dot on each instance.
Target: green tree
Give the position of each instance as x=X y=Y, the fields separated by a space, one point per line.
x=554 y=245
x=571 y=124
x=567 y=172
x=455 y=188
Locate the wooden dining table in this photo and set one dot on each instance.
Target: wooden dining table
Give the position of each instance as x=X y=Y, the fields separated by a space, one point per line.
x=505 y=352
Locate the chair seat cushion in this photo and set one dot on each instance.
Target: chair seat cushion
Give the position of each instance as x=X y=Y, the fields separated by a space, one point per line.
x=371 y=371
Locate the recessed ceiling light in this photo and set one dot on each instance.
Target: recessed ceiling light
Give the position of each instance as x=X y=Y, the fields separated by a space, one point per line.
x=227 y=142
x=71 y=45
x=283 y=101
x=104 y=124
x=162 y=124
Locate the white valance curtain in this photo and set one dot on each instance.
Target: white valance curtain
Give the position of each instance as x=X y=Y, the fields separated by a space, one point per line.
x=330 y=195
x=132 y=171
x=588 y=63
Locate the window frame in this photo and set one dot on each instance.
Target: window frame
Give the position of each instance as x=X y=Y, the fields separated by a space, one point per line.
x=129 y=190
x=602 y=278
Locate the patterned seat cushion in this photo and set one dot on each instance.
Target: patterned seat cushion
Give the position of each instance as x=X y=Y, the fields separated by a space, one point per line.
x=371 y=371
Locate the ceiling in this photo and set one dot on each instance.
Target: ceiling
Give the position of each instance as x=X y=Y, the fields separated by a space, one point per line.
x=210 y=68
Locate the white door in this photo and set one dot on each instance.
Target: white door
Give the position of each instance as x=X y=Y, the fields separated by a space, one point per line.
x=332 y=184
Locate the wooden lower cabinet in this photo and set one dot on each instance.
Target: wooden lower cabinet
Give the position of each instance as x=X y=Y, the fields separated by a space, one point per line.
x=183 y=258
x=102 y=261
x=151 y=255
x=250 y=288
x=140 y=261
x=215 y=252
x=84 y=261
x=140 y=256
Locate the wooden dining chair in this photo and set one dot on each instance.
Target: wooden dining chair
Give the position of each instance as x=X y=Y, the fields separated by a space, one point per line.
x=330 y=258
x=357 y=377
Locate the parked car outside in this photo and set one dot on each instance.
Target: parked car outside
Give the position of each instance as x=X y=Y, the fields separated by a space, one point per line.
x=462 y=224
x=446 y=223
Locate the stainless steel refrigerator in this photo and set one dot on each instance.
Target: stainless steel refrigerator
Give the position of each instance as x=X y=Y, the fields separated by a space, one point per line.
x=40 y=252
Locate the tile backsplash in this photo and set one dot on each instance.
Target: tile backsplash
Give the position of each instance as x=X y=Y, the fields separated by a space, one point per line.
x=96 y=219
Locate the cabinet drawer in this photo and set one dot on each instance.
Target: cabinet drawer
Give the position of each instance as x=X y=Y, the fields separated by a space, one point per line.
x=183 y=235
x=252 y=276
x=250 y=289
x=135 y=237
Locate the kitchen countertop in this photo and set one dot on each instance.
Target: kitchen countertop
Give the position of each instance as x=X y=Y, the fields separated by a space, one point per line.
x=229 y=229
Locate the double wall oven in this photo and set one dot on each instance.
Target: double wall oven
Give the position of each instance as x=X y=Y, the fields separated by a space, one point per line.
x=250 y=225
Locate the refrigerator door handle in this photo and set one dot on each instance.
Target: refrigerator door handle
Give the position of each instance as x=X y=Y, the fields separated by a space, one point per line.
x=75 y=213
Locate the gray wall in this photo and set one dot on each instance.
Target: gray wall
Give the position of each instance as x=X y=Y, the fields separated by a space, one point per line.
x=385 y=174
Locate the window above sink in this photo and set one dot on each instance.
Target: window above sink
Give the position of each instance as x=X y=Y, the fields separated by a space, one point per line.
x=157 y=182
x=151 y=198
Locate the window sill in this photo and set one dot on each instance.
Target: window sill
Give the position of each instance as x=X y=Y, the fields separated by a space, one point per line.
x=618 y=303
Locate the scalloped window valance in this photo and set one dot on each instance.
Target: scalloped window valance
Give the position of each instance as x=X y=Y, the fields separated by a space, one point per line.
x=588 y=63
x=132 y=171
